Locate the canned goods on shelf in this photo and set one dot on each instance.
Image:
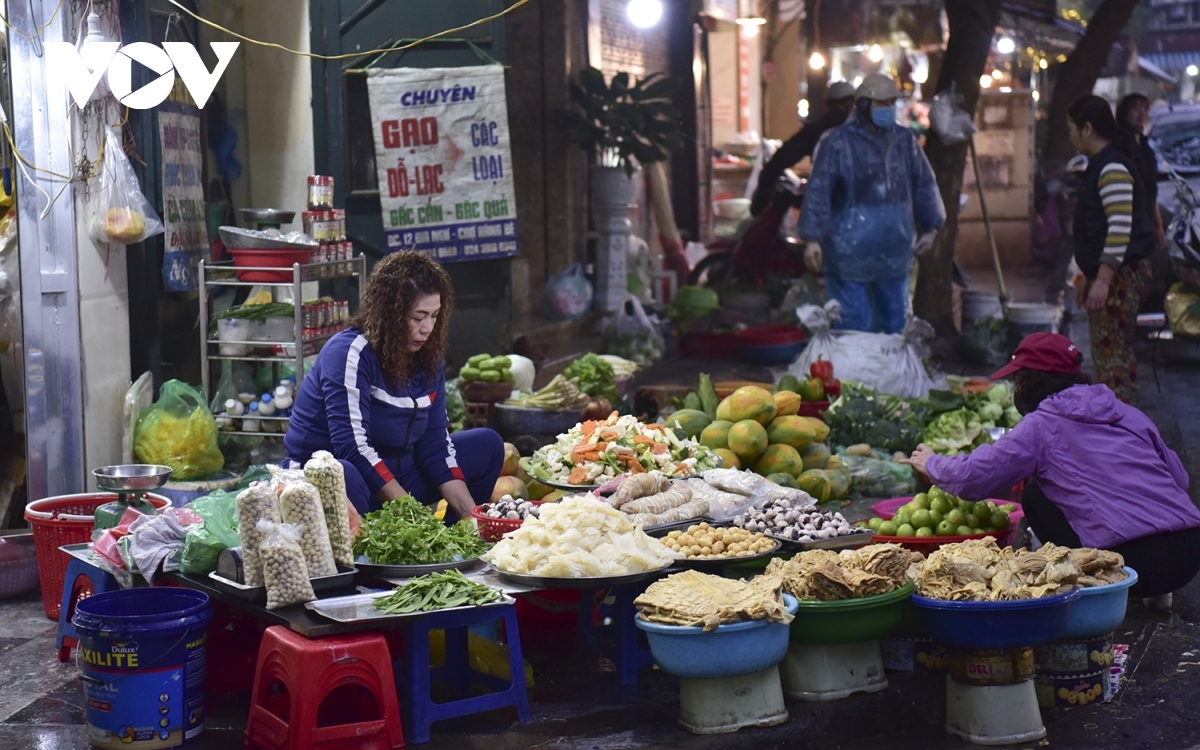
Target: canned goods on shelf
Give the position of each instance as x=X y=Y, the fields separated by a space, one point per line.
x=321 y=226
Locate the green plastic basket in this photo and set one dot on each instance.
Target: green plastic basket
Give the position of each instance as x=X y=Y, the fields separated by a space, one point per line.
x=850 y=620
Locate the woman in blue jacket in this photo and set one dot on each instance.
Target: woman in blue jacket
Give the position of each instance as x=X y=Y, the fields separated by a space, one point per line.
x=376 y=398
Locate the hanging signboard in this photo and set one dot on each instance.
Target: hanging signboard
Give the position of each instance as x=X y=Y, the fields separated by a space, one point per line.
x=443 y=161
x=185 y=237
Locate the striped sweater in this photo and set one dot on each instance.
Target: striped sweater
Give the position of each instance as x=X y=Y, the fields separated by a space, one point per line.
x=345 y=406
x=1116 y=193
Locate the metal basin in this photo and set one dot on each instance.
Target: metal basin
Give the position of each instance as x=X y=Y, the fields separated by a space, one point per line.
x=131 y=477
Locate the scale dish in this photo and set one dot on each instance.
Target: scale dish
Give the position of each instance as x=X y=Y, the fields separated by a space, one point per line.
x=361 y=607
x=131 y=477
x=267 y=215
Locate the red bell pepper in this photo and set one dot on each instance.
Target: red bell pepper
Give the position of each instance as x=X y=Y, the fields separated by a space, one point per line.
x=833 y=388
x=822 y=369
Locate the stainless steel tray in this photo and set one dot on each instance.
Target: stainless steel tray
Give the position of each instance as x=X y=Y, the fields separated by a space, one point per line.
x=601 y=582
x=408 y=571
x=838 y=542
x=716 y=563
x=343 y=579
x=361 y=607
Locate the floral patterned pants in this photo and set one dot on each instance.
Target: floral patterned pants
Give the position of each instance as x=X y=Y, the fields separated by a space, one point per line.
x=1113 y=326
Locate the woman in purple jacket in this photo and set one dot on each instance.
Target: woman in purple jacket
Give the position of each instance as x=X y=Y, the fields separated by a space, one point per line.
x=1105 y=478
x=376 y=398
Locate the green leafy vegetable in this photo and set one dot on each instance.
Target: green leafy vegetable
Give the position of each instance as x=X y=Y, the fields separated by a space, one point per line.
x=258 y=313
x=442 y=590
x=954 y=432
x=708 y=396
x=595 y=377
x=871 y=419
x=404 y=532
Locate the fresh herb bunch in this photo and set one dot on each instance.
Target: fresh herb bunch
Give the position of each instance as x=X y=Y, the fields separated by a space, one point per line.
x=257 y=313
x=595 y=376
x=443 y=590
x=404 y=532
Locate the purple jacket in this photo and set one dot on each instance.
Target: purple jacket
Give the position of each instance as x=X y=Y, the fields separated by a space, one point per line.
x=1099 y=460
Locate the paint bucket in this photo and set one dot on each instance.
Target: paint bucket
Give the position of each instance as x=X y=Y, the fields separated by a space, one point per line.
x=980 y=306
x=1033 y=317
x=142 y=652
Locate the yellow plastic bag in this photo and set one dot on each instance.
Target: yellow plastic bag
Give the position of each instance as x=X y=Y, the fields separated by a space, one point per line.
x=1179 y=303
x=485 y=656
x=179 y=431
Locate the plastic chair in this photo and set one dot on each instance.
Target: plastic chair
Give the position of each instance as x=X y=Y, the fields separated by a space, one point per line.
x=337 y=693
x=456 y=672
x=81 y=581
x=626 y=650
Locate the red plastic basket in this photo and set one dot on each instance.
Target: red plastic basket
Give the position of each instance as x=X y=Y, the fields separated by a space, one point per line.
x=491 y=529
x=62 y=520
x=928 y=544
x=886 y=509
x=813 y=408
x=281 y=258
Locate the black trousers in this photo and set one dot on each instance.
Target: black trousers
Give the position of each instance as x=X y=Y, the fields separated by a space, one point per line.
x=1164 y=562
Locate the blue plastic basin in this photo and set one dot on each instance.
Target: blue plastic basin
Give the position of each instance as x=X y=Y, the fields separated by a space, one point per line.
x=1100 y=609
x=729 y=651
x=1025 y=622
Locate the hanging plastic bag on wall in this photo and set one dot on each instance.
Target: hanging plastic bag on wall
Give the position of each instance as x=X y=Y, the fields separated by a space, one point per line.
x=179 y=431
x=122 y=214
x=568 y=295
x=891 y=363
x=630 y=333
x=951 y=122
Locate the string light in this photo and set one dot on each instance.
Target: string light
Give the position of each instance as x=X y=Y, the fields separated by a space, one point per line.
x=644 y=13
x=985 y=81
x=875 y=54
x=1005 y=45
x=816 y=61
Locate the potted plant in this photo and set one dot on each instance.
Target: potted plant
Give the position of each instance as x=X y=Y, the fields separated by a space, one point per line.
x=624 y=125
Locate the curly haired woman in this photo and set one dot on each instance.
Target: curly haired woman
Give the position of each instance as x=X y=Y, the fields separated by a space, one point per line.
x=376 y=398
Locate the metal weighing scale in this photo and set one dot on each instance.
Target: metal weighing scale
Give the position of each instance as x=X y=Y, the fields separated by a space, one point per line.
x=130 y=482
x=266 y=218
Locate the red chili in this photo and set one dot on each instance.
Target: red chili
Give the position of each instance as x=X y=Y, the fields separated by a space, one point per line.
x=822 y=369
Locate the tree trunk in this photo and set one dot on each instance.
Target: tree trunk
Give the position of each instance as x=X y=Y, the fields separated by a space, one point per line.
x=972 y=25
x=1077 y=76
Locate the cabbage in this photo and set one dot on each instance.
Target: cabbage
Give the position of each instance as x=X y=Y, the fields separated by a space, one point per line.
x=953 y=432
x=523 y=372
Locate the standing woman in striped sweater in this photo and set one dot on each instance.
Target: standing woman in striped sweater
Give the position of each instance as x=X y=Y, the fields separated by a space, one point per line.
x=1113 y=241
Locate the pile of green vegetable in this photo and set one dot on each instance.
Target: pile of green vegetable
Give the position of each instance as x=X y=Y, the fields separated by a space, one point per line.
x=594 y=376
x=488 y=369
x=958 y=422
x=442 y=590
x=881 y=421
x=256 y=313
x=404 y=532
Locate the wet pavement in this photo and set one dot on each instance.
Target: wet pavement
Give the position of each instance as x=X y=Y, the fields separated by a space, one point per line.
x=578 y=705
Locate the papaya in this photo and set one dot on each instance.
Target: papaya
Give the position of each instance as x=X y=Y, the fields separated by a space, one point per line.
x=815 y=456
x=751 y=402
x=716 y=435
x=820 y=429
x=512 y=460
x=509 y=486
x=815 y=483
x=729 y=460
x=779 y=459
x=723 y=410
x=554 y=497
x=537 y=490
x=839 y=483
x=791 y=430
x=786 y=404
x=691 y=421
x=789 y=383
x=783 y=480
x=748 y=440
x=835 y=461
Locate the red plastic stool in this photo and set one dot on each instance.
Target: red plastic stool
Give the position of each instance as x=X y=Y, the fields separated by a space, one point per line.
x=334 y=693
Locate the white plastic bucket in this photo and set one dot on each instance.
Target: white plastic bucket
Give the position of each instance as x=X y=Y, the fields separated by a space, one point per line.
x=1034 y=317
x=980 y=306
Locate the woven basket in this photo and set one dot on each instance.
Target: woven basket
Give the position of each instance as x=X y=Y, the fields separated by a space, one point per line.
x=491 y=529
x=521 y=420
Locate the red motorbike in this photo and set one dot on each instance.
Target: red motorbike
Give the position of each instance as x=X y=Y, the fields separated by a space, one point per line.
x=763 y=249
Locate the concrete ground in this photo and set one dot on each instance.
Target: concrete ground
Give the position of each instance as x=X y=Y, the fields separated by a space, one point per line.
x=578 y=705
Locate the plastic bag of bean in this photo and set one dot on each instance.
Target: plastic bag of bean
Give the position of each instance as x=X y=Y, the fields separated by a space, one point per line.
x=255 y=503
x=300 y=505
x=285 y=573
x=324 y=472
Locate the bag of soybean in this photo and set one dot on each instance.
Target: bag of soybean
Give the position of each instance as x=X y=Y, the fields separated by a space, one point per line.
x=285 y=572
x=325 y=472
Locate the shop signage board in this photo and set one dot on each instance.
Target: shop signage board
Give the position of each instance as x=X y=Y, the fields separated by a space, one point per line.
x=186 y=231
x=443 y=161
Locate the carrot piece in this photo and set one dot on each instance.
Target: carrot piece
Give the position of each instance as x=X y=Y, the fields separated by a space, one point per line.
x=589 y=427
x=578 y=475
x=634 y=465
x=643 y=439
x=658 y=449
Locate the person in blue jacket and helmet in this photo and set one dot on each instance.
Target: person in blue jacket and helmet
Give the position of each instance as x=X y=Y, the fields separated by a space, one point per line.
x=870 y=190
x=376 y=398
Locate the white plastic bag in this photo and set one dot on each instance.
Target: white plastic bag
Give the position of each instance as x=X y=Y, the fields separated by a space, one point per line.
x=123 y=215
x=891 y=363
x=950 y=121
x=630 y=333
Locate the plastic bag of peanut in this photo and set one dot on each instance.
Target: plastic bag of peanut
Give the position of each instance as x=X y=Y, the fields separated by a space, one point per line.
x=256 y=503
x=300 y=505
x=285 y=573
x=324 y=472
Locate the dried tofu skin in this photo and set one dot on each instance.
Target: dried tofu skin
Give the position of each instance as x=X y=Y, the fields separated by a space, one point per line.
x=823 y=575
x=694 y=599
x=978 y=570
x=579 y=537
x=1098 y=567
x=888 y=560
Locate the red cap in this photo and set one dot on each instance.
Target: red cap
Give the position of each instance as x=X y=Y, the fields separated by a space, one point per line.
x=1042 y=351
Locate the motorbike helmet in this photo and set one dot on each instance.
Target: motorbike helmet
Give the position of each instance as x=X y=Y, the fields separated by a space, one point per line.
x=878 y=87
x=839 y=90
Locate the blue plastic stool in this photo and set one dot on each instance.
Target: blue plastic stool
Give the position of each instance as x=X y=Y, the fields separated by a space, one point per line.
x=99 y=581
x=626 y=652
x=419 y=709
